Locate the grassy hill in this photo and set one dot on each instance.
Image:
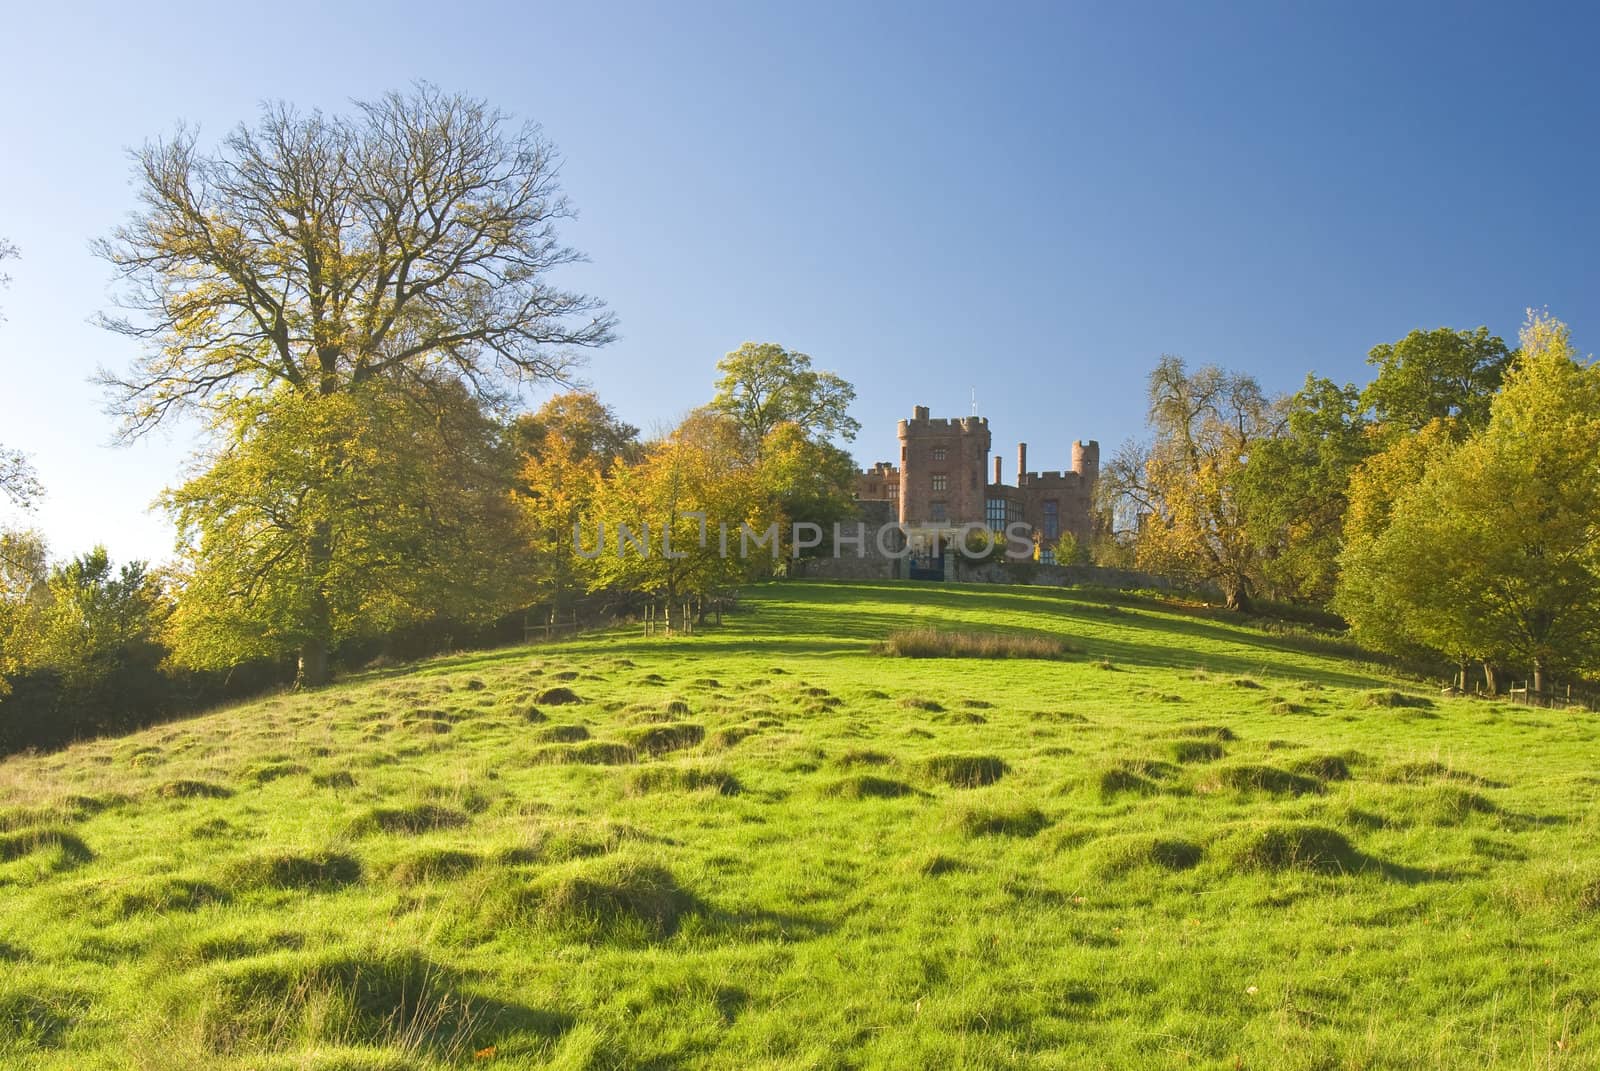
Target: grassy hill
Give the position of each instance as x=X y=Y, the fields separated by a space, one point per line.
x=1187 y=844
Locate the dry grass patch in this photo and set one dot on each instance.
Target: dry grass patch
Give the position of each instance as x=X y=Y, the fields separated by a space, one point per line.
x=938 y=643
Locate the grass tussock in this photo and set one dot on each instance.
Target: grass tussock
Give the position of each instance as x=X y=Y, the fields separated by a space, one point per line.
x=589 y=753
x=683 y=779
x=561 y=734
x=191 y=790
x=395 y=998
x=557 y=697
x=1021 y=821
x=965 y=771
x=286 y=869
x=1114 y=856
x=62 y=846
x=660 y=739
x=432 y=864
x=1390 y=699
x=1277 y=846
x=1192 y=751
x=164 y=895
x=939 y=643
x=1252 y=777
x=869 y=787
x=408 y=819
x=620 y=900
x=1323 y=767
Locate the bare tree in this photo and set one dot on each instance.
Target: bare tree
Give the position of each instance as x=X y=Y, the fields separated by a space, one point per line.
x=19 y=484
x=414 y=237
x=406 y=245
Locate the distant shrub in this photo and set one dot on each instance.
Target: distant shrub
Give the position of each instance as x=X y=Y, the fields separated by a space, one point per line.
x=936 y=643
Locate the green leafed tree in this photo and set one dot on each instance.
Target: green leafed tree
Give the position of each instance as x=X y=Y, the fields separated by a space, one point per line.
x=1295 y=484
x=402 y=250
x=1441 y=374
x=763 y=385
x=1493 y=553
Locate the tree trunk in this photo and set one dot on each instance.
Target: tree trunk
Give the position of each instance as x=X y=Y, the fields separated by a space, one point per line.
x=1538 y=676
x=312 y=671
x=1238 y=598
x=1491 y=678
x=313 y=668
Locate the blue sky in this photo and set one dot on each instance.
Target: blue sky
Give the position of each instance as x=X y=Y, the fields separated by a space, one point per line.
x=1032 y=202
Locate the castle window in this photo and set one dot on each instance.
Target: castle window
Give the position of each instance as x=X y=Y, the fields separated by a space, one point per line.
x=994 y=512
x=941 y=482
x=1047 y=556
x=1052 y=520
x=938 y=453
x=936 y=512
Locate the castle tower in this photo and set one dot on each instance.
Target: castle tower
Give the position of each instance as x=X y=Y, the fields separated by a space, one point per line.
x=1086 y=461
x=942 y=469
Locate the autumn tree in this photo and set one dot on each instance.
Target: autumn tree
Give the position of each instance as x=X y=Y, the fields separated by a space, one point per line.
x=312 y=258
x=567 y=449
x=1184 y=485
x=763 y=385
x=316 y=520
x=665 y=518
x=1493 y=551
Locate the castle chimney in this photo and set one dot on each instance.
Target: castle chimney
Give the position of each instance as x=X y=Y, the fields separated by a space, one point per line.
x=1022 y=462
x=997 y=468
x=919 y=413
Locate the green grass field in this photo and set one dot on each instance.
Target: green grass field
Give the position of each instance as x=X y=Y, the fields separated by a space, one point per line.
x=1187 y=844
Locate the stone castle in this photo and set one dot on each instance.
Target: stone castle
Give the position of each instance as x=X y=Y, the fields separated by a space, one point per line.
x=942 y=483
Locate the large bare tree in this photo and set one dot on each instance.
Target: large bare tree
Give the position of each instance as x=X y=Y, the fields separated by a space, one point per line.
x=413 y=237
x=408 y=243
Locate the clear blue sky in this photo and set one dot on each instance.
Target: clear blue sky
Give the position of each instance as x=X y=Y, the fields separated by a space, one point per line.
x=1033 y=202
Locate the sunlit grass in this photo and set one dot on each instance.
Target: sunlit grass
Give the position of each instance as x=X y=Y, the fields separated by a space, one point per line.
x=769 y=845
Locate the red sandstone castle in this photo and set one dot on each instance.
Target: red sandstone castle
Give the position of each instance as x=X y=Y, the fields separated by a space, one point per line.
x=942 y=483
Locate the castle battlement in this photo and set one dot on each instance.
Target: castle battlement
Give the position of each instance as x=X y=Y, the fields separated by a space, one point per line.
x=943 y=479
